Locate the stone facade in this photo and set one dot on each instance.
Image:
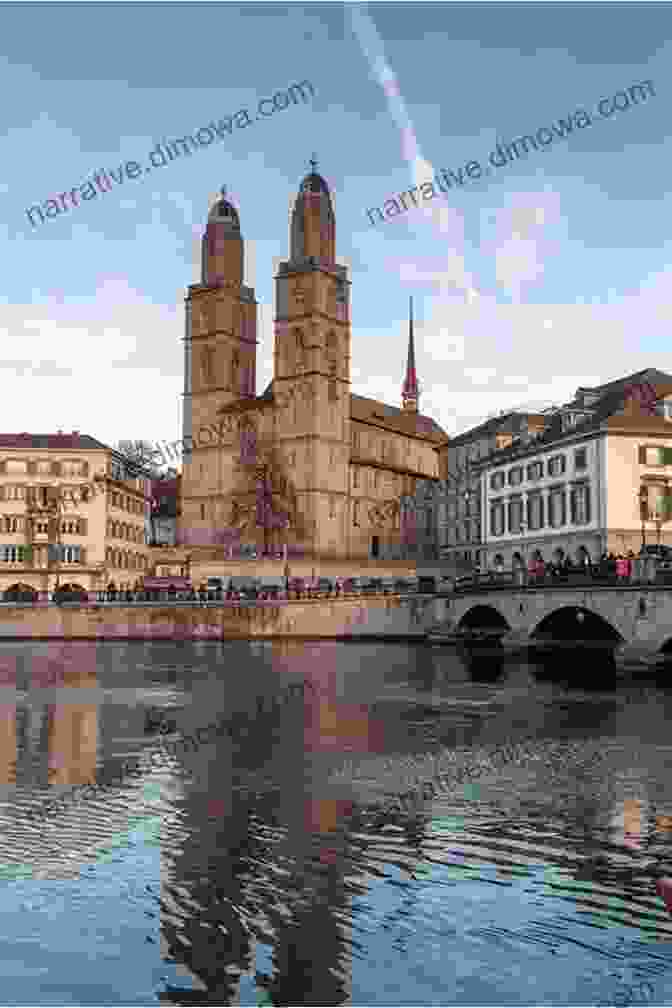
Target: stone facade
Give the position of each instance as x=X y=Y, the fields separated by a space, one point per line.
x=71 y=514
x=460 y=530
x=307 y=466
x=382 y=616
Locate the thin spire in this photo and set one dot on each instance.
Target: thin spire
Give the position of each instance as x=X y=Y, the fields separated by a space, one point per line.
x=409 y=393
x=313 y=163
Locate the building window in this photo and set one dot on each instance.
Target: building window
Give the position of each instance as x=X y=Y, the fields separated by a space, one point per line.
x=355 y=442
x=497 y=518
x=355 y=476
x=556 y=465
x=332 y=507
x=375 y=546
x=202 y=510
x=580 y=461
x=655 y=455
x=658 y=503
x=497 y=481
x=515 y=476
x=355 y=513
x=557 y=516
x=535 y=511
x=535 y=470
x=580 y=505
x=515 y=514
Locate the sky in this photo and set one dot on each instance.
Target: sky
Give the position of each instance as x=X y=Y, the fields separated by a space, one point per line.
x=549 y=272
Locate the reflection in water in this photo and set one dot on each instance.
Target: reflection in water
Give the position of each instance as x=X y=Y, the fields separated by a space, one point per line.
x=525 y=874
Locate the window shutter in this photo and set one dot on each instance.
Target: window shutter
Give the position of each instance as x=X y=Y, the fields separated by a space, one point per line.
x=3 y=468
x=642 y=455
x=510 y=515
x=572 y=499
x=587 y=493
x=56 y=469
x=667 y=456
x=82 y=554
x=541 y=511
x=85 y=469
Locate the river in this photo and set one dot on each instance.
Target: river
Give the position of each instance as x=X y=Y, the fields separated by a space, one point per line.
x=268 y=863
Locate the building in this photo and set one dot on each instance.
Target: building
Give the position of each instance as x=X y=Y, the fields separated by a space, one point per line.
x=307 y=466
x=458 y=504
x=419 y=522
x=164 y=510
x=597 y=479
x=72 y=514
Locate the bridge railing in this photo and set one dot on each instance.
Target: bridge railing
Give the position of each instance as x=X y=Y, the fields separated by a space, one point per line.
x=591 y=575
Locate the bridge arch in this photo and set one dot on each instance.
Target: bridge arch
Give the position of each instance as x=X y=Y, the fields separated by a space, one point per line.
x=483 y=617
x=576 y=623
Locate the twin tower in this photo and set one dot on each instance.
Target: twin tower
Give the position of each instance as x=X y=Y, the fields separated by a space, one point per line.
x=281 y=468
x=300 y=426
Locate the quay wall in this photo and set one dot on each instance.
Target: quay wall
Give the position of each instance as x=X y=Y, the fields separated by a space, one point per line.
x=378 y=618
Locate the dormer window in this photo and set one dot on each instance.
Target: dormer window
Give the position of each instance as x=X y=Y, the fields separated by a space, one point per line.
x=664 y=408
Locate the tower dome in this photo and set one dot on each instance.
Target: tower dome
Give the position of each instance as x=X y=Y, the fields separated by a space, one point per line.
x=313 y=223
x=223 y=211
x=222 y=246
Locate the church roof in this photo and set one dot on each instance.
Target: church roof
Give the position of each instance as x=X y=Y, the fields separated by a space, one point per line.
x=314 y=183
x=390 y=418
x=395 y=420
x=224 y=211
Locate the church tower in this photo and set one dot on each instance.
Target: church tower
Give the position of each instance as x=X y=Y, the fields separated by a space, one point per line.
x=220 y=368
x=410 y=392
x=311 y=365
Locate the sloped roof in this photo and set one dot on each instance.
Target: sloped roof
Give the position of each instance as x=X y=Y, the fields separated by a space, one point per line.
x=502 y=424
x=59 y=442
x=609 y=411
x=390 y=418
x=397 y=421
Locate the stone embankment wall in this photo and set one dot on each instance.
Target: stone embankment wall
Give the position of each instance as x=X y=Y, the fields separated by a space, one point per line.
x=385 y=616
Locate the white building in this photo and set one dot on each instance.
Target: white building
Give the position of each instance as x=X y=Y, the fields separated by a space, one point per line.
x=596 y=479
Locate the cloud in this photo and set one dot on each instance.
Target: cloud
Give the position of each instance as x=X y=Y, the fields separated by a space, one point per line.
x=479 y=358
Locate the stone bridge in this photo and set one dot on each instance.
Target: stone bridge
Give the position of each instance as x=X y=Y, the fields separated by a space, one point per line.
x=636 y=619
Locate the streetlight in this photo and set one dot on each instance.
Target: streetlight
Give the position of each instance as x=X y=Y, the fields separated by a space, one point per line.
x=642 y=497
x=523 y=530
x=466 y=497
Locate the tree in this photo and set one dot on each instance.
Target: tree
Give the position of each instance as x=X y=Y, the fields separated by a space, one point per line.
x=142 y=454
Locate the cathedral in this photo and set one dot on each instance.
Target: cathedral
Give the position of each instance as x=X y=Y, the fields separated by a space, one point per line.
x=307 y=468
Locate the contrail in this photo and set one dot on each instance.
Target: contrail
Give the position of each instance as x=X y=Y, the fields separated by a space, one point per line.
x=446 y=219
